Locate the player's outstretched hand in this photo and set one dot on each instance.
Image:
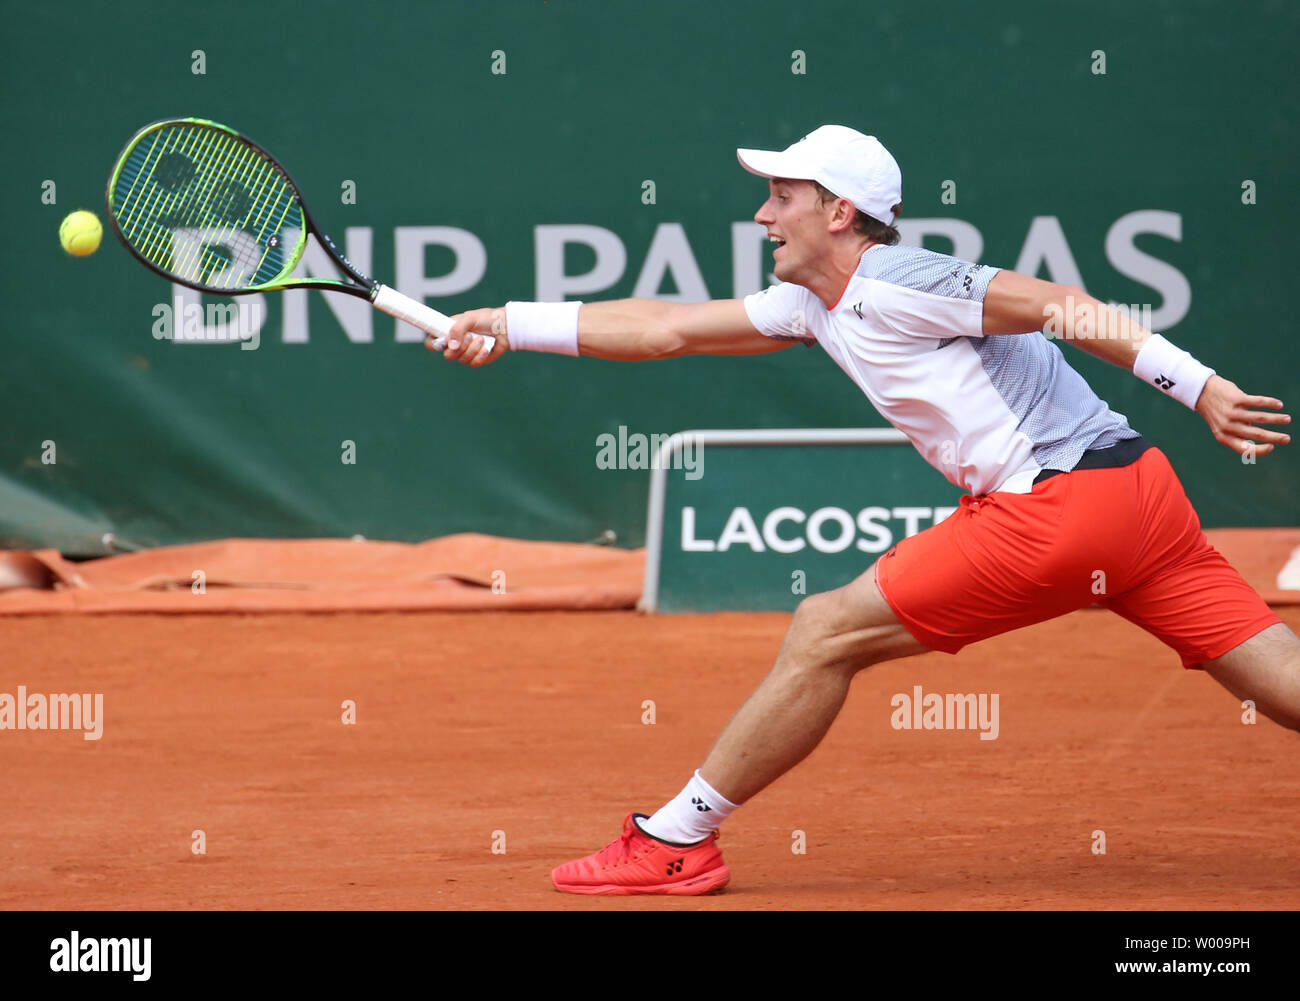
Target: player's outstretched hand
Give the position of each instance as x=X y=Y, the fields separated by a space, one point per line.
x=1229 y=413
x=464 y=343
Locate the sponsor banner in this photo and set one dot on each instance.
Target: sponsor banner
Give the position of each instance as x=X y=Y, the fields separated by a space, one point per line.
x=140 y=414
x=766 y=525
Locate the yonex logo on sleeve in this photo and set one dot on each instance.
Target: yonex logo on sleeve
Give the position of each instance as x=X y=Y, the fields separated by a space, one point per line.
x=1165 y=383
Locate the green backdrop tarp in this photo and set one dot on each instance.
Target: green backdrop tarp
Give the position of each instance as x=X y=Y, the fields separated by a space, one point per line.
x=468 y=182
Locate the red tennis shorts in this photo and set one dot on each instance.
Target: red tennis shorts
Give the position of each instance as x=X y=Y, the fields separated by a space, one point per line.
x=1125 y=538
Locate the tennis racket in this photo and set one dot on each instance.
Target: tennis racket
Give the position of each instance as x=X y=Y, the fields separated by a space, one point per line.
x=206 y=207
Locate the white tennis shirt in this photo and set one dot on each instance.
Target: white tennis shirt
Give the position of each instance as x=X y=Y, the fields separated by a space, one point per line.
x=988 y=412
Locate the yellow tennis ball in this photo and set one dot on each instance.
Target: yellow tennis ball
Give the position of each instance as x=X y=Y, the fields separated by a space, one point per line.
x=80 y=232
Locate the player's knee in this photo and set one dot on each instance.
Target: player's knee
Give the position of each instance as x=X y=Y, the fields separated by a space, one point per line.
x=812 y=632
x=815 y=608
x=830 y=638
x=812 y=619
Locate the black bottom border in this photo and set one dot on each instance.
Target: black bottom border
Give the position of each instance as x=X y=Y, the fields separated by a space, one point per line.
x=925 y=949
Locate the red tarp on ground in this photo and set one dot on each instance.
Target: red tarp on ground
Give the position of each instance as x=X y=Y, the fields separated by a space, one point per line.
x=454 y=573
x=326 y=575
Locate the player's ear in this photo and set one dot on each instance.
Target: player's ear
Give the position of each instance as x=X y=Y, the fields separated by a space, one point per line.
x=843 y=215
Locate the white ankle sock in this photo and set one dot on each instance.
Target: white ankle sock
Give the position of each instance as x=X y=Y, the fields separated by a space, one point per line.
x=692 y=815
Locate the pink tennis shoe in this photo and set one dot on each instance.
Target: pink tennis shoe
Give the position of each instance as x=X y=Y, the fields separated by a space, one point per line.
x=635 y=862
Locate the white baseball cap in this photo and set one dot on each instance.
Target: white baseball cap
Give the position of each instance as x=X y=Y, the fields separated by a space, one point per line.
x=840 y=159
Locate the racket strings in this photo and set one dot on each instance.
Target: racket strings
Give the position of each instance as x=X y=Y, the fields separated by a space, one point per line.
x=151 y=216
x=218 y=168
x=163 y=195
x=274 y=193
x=192 y=210
x=176 y=211
x=238 y=255
x=139 y=207
x=200 y=204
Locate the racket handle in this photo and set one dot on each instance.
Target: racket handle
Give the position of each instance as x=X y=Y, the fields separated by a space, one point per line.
x=417 y=314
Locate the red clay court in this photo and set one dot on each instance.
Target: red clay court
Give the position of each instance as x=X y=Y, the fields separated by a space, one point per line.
x=530 y=723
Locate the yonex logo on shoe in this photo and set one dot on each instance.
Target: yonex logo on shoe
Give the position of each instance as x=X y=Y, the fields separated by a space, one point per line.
x=700 y=805
x=1165 y=383
x=674 y=867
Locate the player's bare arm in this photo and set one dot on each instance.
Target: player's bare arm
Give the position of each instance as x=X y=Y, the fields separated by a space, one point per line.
x=626 y=330
x=1017 y=304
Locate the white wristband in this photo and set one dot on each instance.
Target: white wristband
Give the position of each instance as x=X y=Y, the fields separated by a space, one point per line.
x=1171 y=370
x=543 y=326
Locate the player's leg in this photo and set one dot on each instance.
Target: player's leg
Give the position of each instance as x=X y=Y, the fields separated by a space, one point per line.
x=1266 y=670
x=1181 y=590
x=996 y=564
x=831 y=637
x=955 y=583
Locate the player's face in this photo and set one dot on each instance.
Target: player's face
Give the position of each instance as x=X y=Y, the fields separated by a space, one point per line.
x=794 y=219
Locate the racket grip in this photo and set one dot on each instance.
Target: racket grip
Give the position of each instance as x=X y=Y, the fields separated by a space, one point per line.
x=417 y=314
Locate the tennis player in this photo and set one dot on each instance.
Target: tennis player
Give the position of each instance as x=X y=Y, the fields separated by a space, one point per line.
x=953 y=354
